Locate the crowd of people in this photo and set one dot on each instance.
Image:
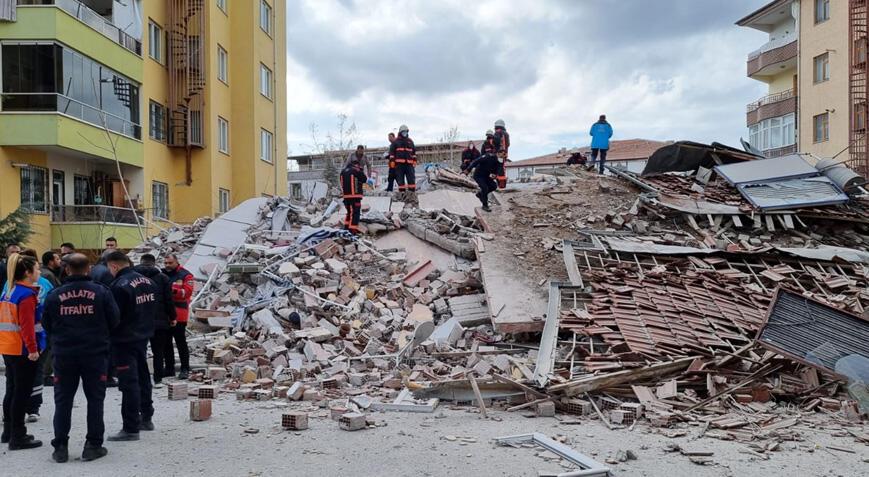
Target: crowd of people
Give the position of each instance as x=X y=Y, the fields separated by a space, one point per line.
x=65 y=321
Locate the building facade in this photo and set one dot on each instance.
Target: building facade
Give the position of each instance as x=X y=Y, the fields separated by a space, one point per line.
x=157 y=112
x=815 y=67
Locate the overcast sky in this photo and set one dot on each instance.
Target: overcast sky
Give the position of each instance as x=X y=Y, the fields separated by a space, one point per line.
x=662 y=69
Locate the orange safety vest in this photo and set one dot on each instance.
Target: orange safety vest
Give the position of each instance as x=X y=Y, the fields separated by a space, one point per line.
x=10 y=330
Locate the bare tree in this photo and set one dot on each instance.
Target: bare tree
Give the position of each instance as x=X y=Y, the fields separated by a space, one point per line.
x=447 y=149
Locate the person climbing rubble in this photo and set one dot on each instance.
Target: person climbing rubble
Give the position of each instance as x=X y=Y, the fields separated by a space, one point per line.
x=502 y=147
x=403 y=152
x=352 y=178
x=469 y=155
x=485 y=169
x=390 y=177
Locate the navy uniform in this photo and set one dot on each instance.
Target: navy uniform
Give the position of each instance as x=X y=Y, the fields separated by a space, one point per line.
x=502 y=144
x=78 y=318
x=403 y=152
x=484 y=168
x=352 y=179
x=136 y=296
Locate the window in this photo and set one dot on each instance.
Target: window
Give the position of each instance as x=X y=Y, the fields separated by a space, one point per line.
x=47 y=77
x=157 y=121
x=822 y=127
x=34 y=189
x=155 y=42
x=265 y=16
x=82 y=190
x=860 y=47
x=58 y=187
x=265 y=81
x=222 y=61
x=773 y=133
x=860 y=117
x=296 y=191
x=160 y=199
x=822 y=11
x=222 y=135
x=822 y=68
x=223 y=200
x=265 y=143
x=221 y=4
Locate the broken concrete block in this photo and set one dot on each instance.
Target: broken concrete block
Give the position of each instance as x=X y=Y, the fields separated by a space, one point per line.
x=311 y=395
x=294 y=420
x=352 y=421
x=200 y=410
x=447 y=333
x=216 y=374
x=248 y=375
x=288 y=269
x=177 y=391
x=337 y=411
x=243 y=394
x=336 y=266
x=262 y=394
x=482 y=368
x=296 y=391
x=546 y=409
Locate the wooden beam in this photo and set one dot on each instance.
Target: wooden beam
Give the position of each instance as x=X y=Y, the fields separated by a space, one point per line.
x=594 y=383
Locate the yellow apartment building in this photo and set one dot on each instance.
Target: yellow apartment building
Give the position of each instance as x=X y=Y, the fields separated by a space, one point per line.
x=156 y=111
x=814 y=64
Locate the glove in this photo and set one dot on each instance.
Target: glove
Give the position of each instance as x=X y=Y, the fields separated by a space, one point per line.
x=371 y=182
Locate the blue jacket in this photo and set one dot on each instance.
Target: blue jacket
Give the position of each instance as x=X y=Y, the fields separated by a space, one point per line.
x=600 y=133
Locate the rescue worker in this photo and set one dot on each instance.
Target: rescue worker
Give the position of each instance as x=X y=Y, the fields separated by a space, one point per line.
x=352 y=178
x=485 y=167
x=502 y=145
x=182 y=292
x=403 y=152
x=489 y=146
x=136 y=297
x=79 y=315
x=469 y=155
x=359 y=156
x=600 y=133
x=19 y=315
x=390 y=178
x=164 y=319
x=45 y=286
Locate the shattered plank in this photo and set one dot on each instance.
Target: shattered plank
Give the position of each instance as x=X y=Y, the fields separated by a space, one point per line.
x=593 y=383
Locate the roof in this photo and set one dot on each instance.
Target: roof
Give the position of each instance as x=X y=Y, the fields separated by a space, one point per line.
x=760 y=12
x=624 y=150
x=785 y=167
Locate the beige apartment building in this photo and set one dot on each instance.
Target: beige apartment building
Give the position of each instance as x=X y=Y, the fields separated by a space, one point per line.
x=814 y=64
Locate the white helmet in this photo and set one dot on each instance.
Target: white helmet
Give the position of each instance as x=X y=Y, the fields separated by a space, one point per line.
x=403 y=128
x=500 y=124
x=490 y=133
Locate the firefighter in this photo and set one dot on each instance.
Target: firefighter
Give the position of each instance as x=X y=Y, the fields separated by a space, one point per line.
x=164 y=319
x=352 y=178
x=489 y=146
x=485 y=167
x=390 y=179
x=182 y=292
x=136 y=296
x=79 y=316
x=403 y=152
x=469 y=155
x=502 y=144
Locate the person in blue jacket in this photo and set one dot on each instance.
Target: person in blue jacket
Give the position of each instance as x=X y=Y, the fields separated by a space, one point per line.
x=600 y=133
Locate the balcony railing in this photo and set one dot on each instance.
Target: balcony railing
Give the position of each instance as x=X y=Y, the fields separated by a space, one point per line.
x=92 y=19
x=770 y=99
x=772 y=45
x=58 y=103
x=763 y=58
x=92 y=213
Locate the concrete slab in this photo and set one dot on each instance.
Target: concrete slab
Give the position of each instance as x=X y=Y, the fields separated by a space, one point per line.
x=457 y=202
x=381 y=204
x=417 y=250
x=516 y=306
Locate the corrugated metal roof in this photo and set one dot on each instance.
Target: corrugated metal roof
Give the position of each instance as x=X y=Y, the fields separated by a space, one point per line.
x=786 y=167
x=792 y=193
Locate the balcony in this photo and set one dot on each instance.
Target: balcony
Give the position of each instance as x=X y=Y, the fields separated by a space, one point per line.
x=58 y=103
x=94 y=20
x=92 y=213
x=87 y=226
x=774 y=56
x=770 y=106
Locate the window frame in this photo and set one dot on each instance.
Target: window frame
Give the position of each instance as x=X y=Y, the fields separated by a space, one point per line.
x=223 y=6
x=822 y=61
x=164 y=123
x=223 y=135
x=822 y=7
x=155 y=185
x=266 y=153
x=222 y=64
x=267 y=81
x=161 y=53
x=30 y=170
x=221 y=194
x=821 y=120
x=266 y=9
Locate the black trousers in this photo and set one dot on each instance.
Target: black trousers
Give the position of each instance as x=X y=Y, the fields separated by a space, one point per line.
x=406 y=176
x=92 y=371
x=390 y=179
x=134 y=382
x=158 y=349
x=178 y=334
x=20 y=372
x=594 y=153
x=35 y=401
x=354 y=212
x=487 y=185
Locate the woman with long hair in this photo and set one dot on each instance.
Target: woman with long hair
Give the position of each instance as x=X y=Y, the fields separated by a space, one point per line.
x=19 y=347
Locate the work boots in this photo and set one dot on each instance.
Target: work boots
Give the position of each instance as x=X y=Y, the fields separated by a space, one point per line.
x=146 y=425
x=124 y=436
x=61 y=453
x=23 y=442
x=93 y=451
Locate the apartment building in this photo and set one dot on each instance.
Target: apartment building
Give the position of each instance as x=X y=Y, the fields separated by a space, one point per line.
x=814 y=64
x=154 y=112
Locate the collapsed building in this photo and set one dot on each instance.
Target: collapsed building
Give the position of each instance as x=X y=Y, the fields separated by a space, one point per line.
x=713 y=287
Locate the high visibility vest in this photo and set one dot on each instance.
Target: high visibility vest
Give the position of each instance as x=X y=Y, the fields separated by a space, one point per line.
x=10 y=330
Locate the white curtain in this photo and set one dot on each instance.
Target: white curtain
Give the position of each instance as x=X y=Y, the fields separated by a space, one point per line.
x=7 y=10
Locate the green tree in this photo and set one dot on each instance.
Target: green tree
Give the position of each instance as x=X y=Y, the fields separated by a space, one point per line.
x=15 y=227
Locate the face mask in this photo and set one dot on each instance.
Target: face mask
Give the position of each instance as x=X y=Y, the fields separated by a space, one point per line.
x=404 y=133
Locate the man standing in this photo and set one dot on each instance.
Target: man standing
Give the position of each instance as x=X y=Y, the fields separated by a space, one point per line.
x=164 y=318
x=469 y=155
x=182 y=292
x=111 y=244
x=600 y=133
x=66 y=248
x=352 y=179
x=51 y=271
x=51 y=267
x=403 y=152
x=359 y=156
x=78 y=318
x=100 y=272
x=390 y=178
x=485 y=167
x=502 y=145
x=136 y=297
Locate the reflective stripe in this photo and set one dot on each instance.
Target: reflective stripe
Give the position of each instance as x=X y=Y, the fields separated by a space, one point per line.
x=38 y=328
x=9 y=327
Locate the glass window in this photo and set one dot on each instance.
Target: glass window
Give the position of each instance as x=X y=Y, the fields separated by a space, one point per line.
x=822 y=10
x=265 y=81
x=160 y=199
x=155 y=42
x=58 y=187
x=296 y=191
x=82 y=190
x=221 y=4
x=157 y=121
x=822 y=68
x=775 y=133
x=223 y=200
x=222 y=61
x=754 y=135
x=789 y=130
x=34 y=189
x=265 y=16
x=266 y=139
x=822 y=127
x=222 y=135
